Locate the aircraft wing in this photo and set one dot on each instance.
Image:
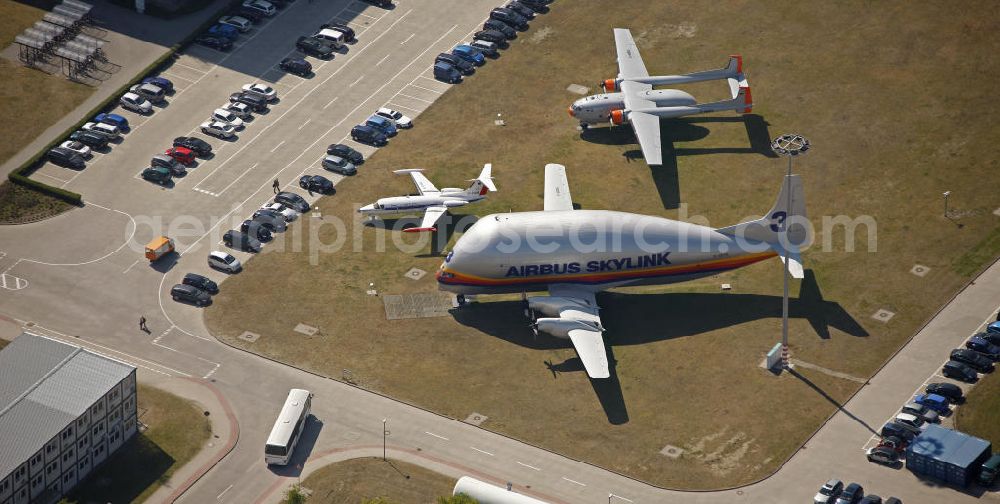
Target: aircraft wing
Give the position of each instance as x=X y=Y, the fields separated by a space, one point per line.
x=647 y=130
x=588 y=339
x=431 y=216
x=424 y=186
x=557 y=195
x=629 y=61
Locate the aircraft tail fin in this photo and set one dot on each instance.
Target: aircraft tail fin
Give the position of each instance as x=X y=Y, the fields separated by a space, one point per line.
x=484 y=182
x=788 y=214
x=739 y=89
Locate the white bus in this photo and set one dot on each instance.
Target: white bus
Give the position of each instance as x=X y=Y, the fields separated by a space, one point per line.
x=287 y=429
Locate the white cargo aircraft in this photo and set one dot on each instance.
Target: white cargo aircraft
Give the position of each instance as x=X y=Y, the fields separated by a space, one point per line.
x=431 y=201
x=577 y=253
x=630 y=97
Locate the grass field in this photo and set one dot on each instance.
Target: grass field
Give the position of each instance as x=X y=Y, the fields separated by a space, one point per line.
x=355 y=481
x=19 y=204
x=978 y=415
x=177 y=431
x=889 y=93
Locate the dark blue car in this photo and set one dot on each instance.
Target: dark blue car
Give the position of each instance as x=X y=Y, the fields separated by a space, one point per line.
x=994 y=327
x=112 y=119
x=160 y=82
x=933 y=401
x=470 y=54
x=387 y=127
x=224 y=31
x=984 y=347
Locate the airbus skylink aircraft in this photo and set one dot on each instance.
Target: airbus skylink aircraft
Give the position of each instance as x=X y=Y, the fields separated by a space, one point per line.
x=577 y=253
x=630 y=97
x=433 y=202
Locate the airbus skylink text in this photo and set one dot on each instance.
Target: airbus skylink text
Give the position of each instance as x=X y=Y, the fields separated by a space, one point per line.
x=625 y=263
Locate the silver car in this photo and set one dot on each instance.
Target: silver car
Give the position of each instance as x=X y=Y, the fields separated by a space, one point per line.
x=828 y=492
x=921 y=411
x=339 y=165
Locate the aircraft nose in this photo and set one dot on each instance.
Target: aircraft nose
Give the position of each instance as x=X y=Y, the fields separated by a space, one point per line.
x=570 y=110
x=366 y=208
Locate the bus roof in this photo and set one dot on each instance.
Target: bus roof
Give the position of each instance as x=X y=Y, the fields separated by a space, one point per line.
x=289 y=415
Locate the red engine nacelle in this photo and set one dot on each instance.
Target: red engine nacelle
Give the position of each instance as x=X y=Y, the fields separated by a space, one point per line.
x=619 y=117
x=610 y=85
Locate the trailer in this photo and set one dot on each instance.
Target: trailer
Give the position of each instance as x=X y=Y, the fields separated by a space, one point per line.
x=950 y=456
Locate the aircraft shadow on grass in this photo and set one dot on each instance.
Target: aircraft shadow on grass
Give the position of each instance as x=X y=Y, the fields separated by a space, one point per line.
x=685 y=129
x=636 y=319
x=447 y=226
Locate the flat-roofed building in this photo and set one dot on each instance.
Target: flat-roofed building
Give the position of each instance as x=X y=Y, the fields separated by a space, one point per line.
x=63 y=411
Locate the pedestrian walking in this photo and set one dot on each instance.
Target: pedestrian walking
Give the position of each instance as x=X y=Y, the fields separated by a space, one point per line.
x=275 y=186
x=142 y=324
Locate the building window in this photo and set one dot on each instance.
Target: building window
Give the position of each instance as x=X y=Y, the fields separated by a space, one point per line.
x=3 y=485
x=67 y=455
x=52 y=467
x=68 y=432
x=20 y=472
x=49 y=448
x=38 y=481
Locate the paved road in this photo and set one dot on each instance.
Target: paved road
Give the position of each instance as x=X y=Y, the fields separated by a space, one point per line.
x=78 y=277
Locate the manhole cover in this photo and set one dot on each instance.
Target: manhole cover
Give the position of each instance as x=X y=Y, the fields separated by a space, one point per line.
x=671 y=451
x=249 y=336
x=883 y=315
x=415 y=274
x=308 y=330
x=919 y=270
x=577 y=89
x=476 y=419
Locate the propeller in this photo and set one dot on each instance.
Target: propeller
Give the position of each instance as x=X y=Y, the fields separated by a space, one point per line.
x=534 y=328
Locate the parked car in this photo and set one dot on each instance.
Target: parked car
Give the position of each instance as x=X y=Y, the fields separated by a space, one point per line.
x=950 y=391
x=115 y=120
x=508 y=31
x=509 y=17
x=386 y=126
x=461 y=64
x=959 y=371
x=253 y=15
x=165 y=161
x=286 y=213
x=920 y=411
x=912 y=422
x=892 y=500
x=225 y=116
x=333 y=37
x=447 y=73
x=933 y=402
x=315 y=47
x=896 y=430
x=539 y=6
x=984 y=347
x=893 y=443
x=297 y=66
x=190 y=294
x=871 y=498
x=292 y=200
x=270 y=219
x=239 y=22
x=153 y=93
x=135 y=103
x=263 y=90
x=346 y=152
x=159 y=175
x=66 y=158
x=161 y=82
x=316 y=183
x=494 y=36
x=242 y=110
x=882 y=455
x=851 y=495
x=994 y=327
x=973 y=359
x=218 y=129
x=489 y=49
x=108 y=130
x=256 y=230
x=217 y=43
x=262 y=6
x=224 y=262
x=828 y=493
x=200 y=282
x=241 y=241
x=367 y=134
x=992 y=337
x=339 y=165
x=199 y=146
x=77 y=147
x=397 y=117
x=525 y=11
x=93 y=140
x=470 y=54
x=225 y=31
x=385 y=4
x=348 y=32
x=255 y=102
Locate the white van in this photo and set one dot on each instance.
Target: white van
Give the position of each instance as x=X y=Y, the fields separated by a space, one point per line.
x=334 y=37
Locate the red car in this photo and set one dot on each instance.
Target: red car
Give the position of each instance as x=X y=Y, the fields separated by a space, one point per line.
x=183 y=155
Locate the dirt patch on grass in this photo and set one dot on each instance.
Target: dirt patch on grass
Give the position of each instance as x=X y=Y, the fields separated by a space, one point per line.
x=19 y=204
x=360 y=479
x=686 y=356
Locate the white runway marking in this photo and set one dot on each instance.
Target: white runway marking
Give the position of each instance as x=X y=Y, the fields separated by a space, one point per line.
x=381 y=60
x=11 y=282
x=414 y=98
x=573 y=481
x=620 y=497
x=407 y=39
x=330 y=102
x=239 y=177
x=130 y=267
x=411 y=109
x=279 y=145
x=210 y=193
x=528 y=466
x=481 y=451
x=436 y=435
x=223 y=492
x=427 y=89
x=49 y=176
x=357 y=81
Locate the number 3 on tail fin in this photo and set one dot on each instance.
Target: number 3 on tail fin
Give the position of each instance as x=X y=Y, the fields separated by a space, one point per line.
x=778 y=221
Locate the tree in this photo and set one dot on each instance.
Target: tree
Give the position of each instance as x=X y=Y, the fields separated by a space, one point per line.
x=457 y=499
x=295 y=495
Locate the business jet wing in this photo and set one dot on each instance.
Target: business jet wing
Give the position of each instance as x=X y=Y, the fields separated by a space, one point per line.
x=424 y=186
x=557 y=195
x=431 y=216
x=587 y=338
x=629 y=61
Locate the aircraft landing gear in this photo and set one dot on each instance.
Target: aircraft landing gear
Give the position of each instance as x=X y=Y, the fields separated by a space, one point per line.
x=584 y=126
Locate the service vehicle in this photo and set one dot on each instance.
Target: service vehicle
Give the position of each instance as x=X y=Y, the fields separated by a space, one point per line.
x=159 y=247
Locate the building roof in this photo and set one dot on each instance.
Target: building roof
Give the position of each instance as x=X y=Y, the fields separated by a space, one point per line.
x=948 y=446
x=44 y=386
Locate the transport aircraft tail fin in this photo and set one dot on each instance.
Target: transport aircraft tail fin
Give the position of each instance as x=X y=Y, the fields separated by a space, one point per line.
x=788 y=214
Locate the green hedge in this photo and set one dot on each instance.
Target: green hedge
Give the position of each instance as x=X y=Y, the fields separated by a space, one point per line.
x=21 y=174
